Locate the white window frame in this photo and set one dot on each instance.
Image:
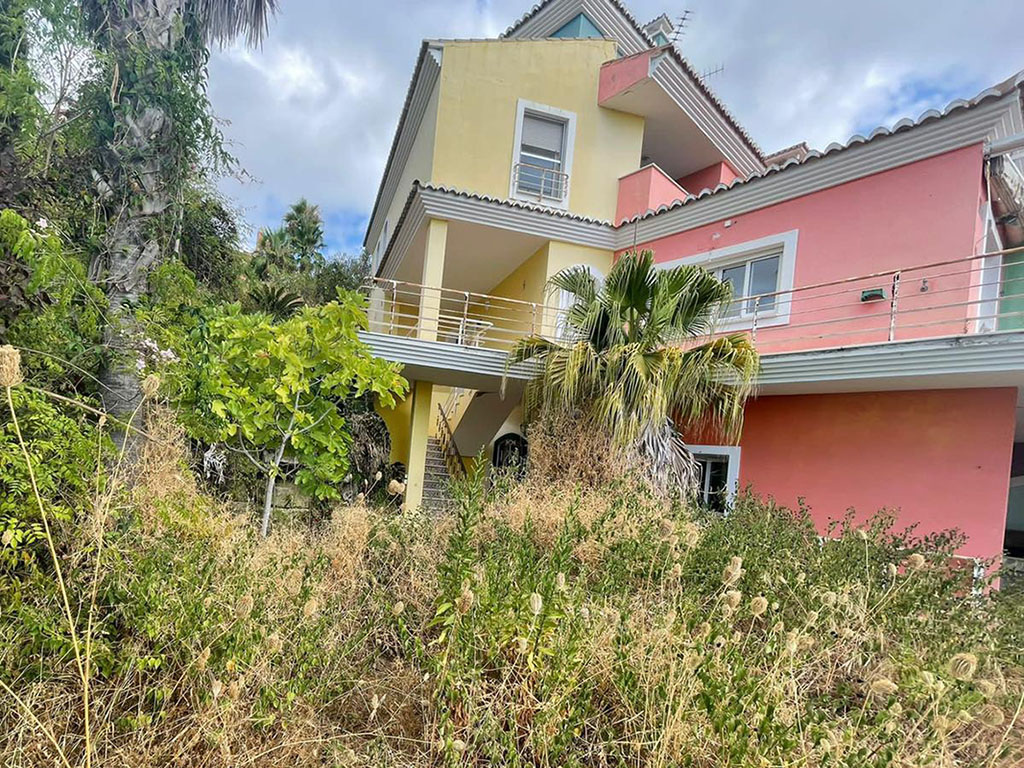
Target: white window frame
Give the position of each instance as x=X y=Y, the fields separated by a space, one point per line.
x=731 y=453
x=784 y=244
x=524 y=107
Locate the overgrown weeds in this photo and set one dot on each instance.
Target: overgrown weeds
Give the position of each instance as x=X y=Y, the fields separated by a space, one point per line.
x=544 y=624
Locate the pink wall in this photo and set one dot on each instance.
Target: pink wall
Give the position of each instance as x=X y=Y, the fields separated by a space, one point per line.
x=645 y=190
x=941 y=456
x=708 y=178
x=918 y=214
x=621 y=74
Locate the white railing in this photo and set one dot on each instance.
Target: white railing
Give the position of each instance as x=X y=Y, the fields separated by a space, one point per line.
x=455 y=317
x=544 y=184
x=972 y=295
x=958 y=297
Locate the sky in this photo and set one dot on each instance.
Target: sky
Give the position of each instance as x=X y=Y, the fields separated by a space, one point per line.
x=312 y=112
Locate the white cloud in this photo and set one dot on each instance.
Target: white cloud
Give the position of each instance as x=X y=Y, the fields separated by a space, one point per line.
x=312 y=113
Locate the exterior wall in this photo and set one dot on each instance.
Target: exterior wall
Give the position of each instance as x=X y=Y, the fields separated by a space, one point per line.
x=398 y=421
x=707 y=178
x=918 y=214
x=481 y=84
x=645 y=190
x=942 y=457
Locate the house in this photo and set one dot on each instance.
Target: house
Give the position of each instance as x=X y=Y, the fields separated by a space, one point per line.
x=878 y=278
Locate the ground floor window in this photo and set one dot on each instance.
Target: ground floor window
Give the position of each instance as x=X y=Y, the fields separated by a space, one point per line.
x=718 y=468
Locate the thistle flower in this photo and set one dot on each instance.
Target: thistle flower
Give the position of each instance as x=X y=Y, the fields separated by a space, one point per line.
x=234 y=689
x=812 y=617
x=963 y=666
x=522 y=646
x=585 y=613
x=862 y=534
x=733 y=571
x=10 y=367
x=892 y=570
x=203 y=659
x=986 y=688
x=792 y=642
x=676 y=570
x=398 y=608
x=991 y=716
x=459 y=745
x=668 y=527
x=690 y=534
x=310 y=608
x=216 y=688
x=378 y=476
x=151 y=385
x=733 y=598
x=536 y=603
x=883 y=686
x=828 y=599
x=244 y=607
x=465 y=600
x=360 y=498
x=395 y=488
x=916 y=561
x=560 y=584
x=758 y=606
x=274 y=643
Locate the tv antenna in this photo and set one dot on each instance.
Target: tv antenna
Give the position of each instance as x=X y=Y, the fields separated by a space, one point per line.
x=679 y=29
x=709 y=73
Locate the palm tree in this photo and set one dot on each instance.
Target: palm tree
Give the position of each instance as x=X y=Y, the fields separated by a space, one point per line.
x=637 y=356
x=156 y=115
x=273 y=252
x=305 y=228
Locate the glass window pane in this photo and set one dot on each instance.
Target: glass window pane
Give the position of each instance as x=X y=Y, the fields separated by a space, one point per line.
x=764 y=278
x=735 y=276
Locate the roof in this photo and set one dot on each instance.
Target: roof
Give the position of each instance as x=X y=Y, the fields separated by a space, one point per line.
x=686 y=66
x=1014 y=82
x=420 y=186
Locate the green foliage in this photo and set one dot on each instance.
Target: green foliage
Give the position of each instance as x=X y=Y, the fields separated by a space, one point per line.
x=63 y=448
x=209 y=244
x=52 y=311
x=258 y=387
x=275 y=301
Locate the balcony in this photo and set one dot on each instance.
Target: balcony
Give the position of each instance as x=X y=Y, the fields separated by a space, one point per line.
x=885 y=316
x=546 y=186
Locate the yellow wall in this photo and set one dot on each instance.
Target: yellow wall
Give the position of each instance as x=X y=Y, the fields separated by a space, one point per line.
x=481 y=84
x=399 y=421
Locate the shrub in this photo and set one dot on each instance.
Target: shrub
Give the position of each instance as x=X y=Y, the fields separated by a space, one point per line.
x=539 y=625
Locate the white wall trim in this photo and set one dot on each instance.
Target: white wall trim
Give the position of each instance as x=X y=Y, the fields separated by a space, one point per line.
x=563 y=115
x=717 y=258
x=730 y=452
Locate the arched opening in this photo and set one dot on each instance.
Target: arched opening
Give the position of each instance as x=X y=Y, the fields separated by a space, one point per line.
x=510 y=453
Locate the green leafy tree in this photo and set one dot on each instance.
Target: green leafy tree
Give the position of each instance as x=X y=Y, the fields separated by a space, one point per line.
x=305 y=230
x=48 y=308
x=635 y=356
x=278 y=392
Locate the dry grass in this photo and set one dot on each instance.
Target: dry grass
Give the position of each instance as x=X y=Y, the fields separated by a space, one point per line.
x=555 y=623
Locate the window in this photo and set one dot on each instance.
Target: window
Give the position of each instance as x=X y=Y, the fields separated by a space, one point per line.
x=543 y=154
x=753 y=269
x=579 y=26
x=718 y=469
x=749 y=279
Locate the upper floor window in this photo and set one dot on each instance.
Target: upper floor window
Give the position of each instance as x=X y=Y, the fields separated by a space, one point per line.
x=761 y=273
x=543 y=154
x=754 y=285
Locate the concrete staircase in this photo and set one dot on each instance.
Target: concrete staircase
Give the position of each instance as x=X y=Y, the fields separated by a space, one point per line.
x=436 y=497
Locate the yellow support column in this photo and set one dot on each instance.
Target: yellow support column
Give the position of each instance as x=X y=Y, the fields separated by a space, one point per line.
x=433 y=274
x=422 y=394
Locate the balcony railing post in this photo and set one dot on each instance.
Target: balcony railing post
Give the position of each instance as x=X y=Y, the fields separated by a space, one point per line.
x=533 y=320
x=465 y=317
x=894 y=305
x=394 y=307
x=753 y=327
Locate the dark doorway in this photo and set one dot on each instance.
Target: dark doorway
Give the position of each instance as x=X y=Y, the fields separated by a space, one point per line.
x=510 y=453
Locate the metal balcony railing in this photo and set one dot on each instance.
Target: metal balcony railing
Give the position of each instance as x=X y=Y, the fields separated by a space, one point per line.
x=543 y=184
x=972 y=295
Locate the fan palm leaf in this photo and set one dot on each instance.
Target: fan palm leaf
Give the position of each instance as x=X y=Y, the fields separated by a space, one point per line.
x=638 y=354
